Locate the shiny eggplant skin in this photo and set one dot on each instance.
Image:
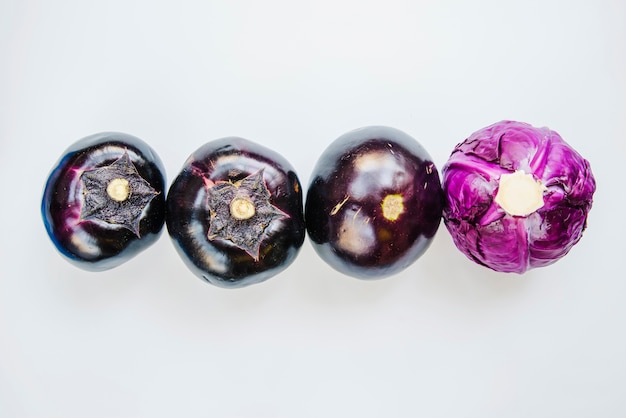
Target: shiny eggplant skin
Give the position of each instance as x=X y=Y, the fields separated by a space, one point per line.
x=374 y=202
x=226 y=251
x=87 y=241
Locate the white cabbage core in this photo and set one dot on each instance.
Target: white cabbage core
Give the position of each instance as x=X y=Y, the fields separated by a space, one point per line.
x=519 y=194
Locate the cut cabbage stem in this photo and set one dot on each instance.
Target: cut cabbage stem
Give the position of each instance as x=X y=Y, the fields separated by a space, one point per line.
x=519 y=194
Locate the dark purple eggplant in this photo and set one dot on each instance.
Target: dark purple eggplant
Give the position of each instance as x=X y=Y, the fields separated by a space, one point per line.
x=235 y=213
x=104 y=200
x=374 y=202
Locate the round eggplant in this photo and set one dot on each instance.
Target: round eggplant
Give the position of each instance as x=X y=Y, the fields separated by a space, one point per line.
x=235 y=213
x=104 y=200
x=374 y=202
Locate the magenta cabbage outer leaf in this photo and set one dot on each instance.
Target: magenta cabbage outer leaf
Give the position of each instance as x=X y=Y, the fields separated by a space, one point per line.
x=488 y=235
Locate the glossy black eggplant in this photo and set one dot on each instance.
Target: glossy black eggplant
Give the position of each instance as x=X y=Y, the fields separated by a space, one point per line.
x=374 y=202
x=235 y=213
x=104 y=200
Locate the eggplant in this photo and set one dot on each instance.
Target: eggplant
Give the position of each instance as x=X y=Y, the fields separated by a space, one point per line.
x=374 y=202
x=104 y=200
x=235 y=213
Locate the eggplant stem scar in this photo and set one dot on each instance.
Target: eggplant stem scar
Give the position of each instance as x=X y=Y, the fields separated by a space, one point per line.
x=118 y=189
x=242 y=208
x=392 y=206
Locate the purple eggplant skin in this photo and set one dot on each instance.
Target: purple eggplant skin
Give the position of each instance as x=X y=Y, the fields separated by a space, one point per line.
x=216 y=246
x=374 y=202
x=85 y=239
x=483 y=229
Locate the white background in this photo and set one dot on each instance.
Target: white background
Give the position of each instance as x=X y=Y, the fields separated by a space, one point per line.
x=446 y=338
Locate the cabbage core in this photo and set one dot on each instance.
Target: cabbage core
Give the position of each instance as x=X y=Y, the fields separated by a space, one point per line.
x=519 y=194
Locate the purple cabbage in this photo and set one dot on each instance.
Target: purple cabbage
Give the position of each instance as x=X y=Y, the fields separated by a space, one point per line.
x=517 y=197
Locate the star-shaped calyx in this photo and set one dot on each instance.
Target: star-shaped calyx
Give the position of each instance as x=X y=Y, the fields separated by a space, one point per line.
x=241 y=212
x=116 y=194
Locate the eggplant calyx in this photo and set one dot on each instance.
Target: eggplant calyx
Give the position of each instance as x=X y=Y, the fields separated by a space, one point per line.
x=115 y=194
x=241 y=212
